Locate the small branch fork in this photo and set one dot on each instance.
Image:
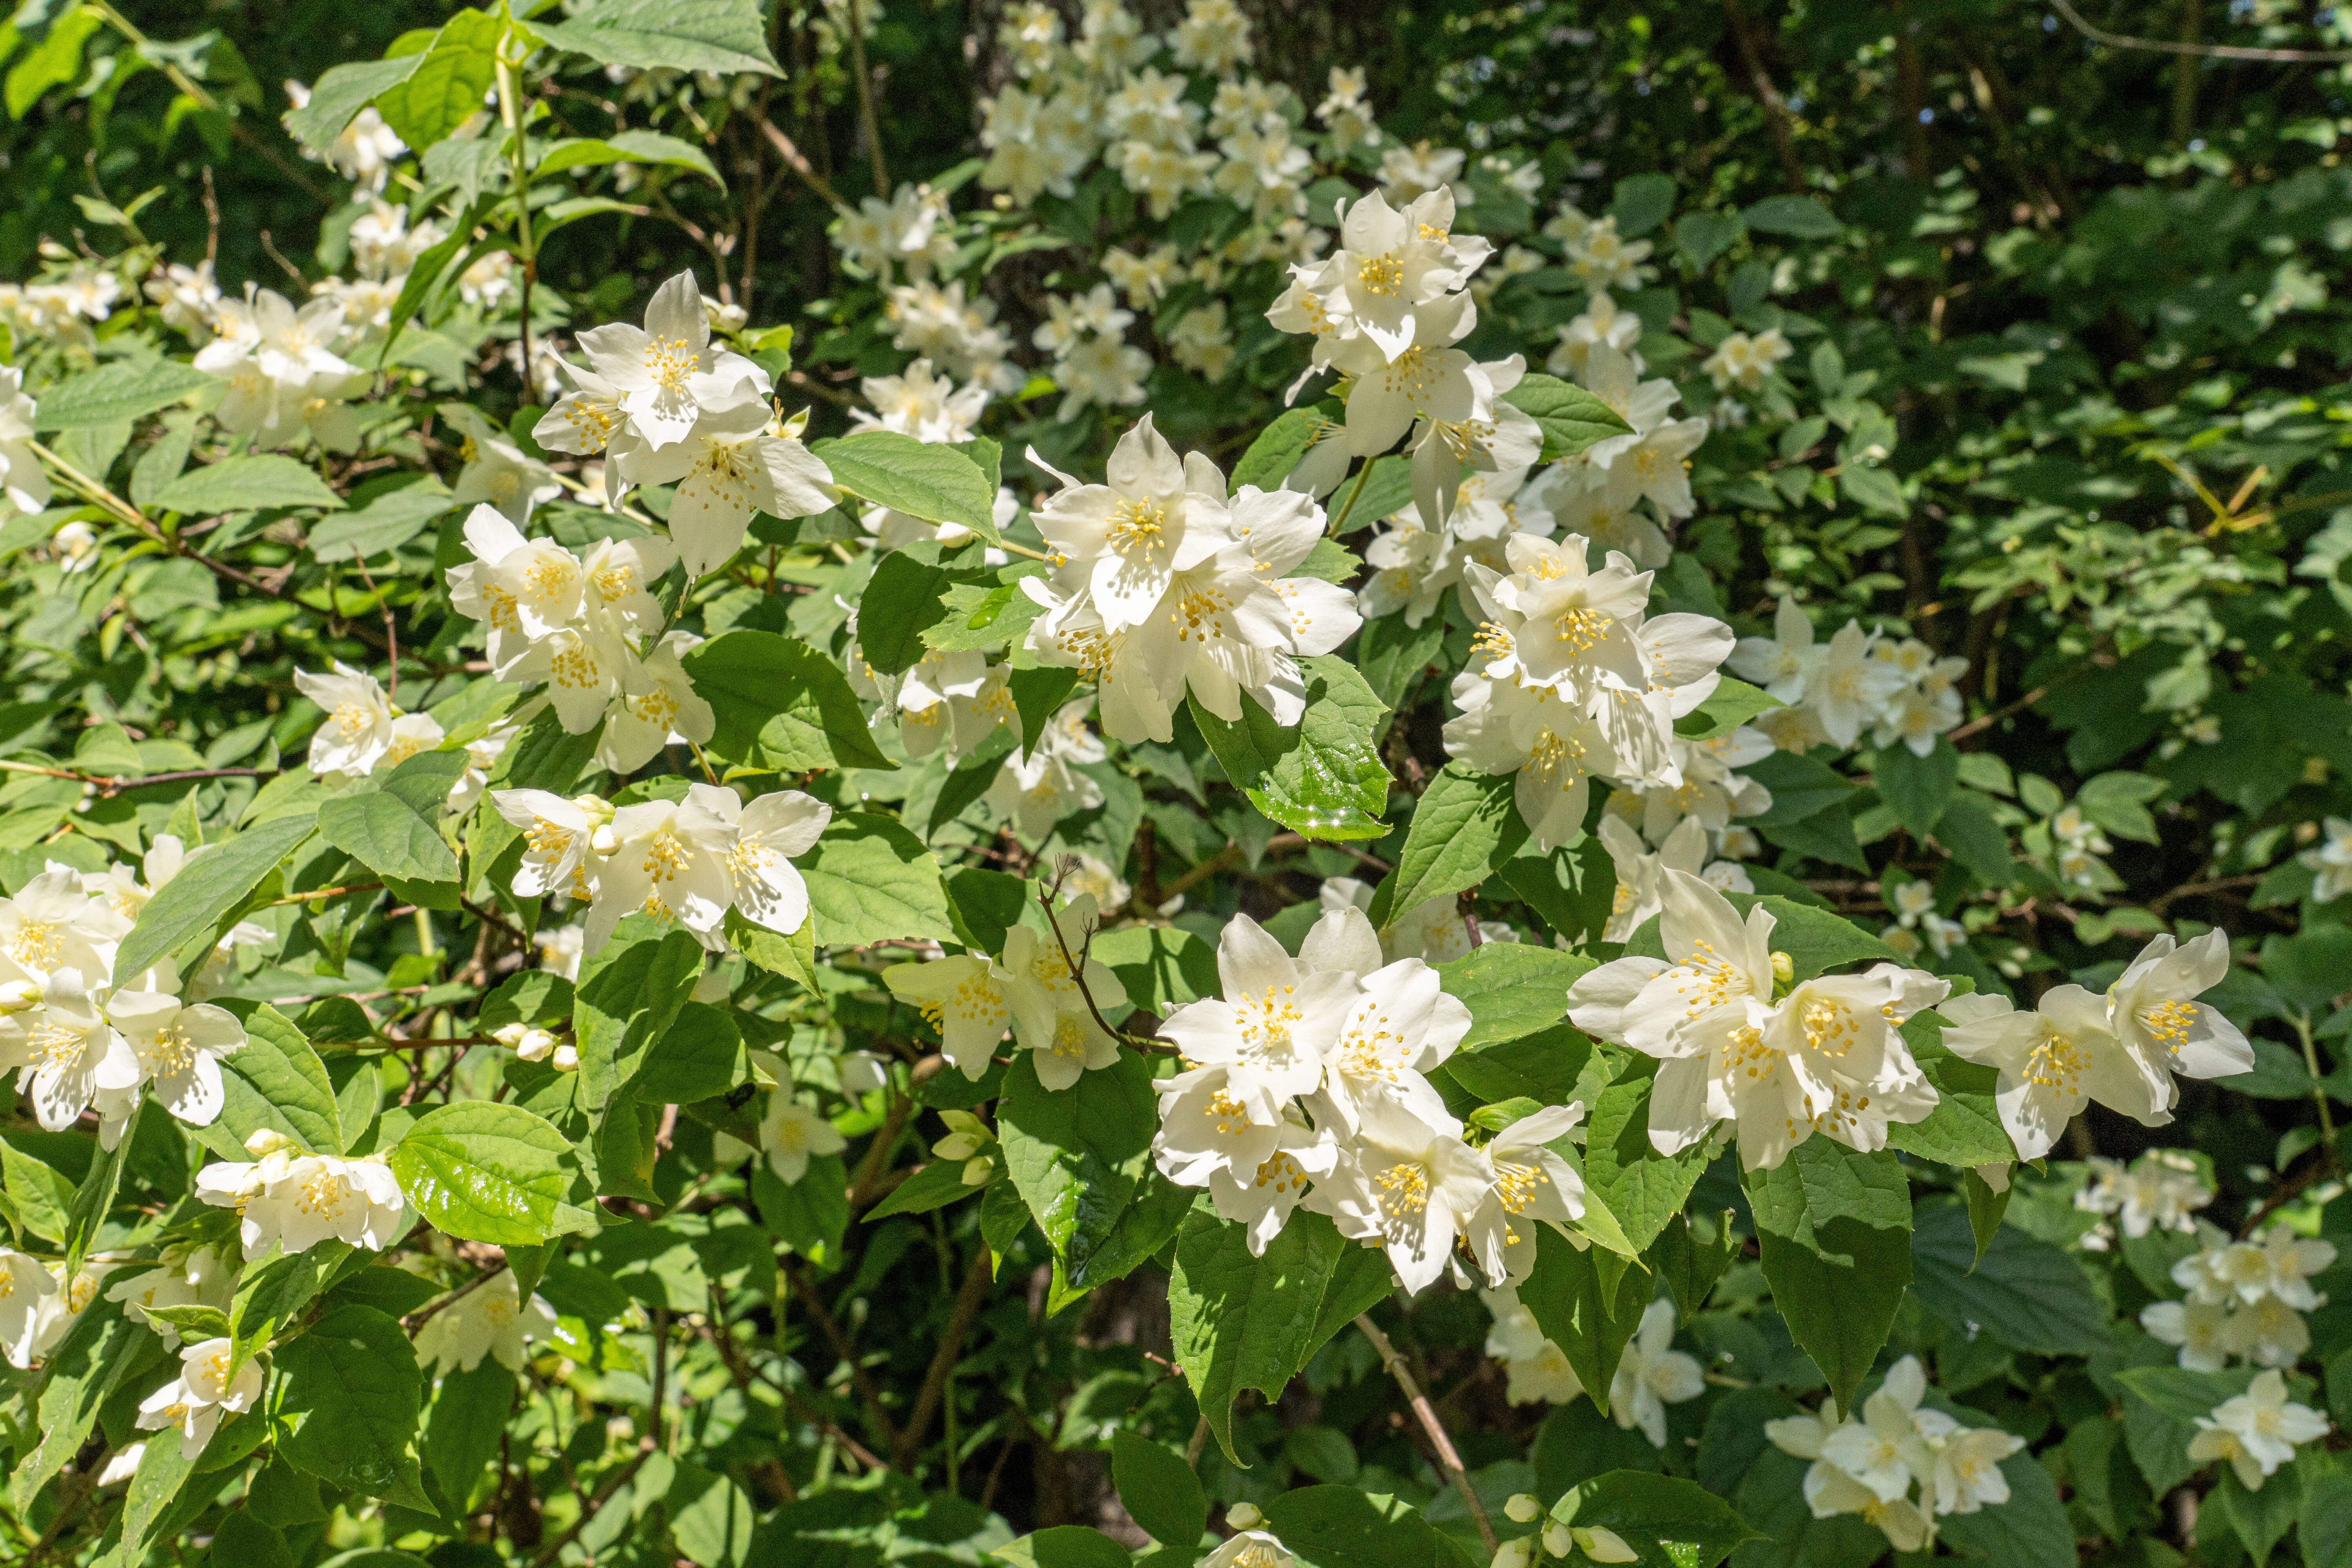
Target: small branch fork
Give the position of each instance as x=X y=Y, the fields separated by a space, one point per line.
x=1076 y=964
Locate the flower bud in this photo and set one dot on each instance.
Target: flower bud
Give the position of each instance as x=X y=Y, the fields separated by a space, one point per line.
x=1602 y=1544
x=535 y=1044
x=1522 y=1509
x=1513 y=1553
x=19 y=996
x=566 y=1058
x=977 y=1169
x=510 y=1034
x=1243 y=1516
x=266 y=1140
x=1784 y=968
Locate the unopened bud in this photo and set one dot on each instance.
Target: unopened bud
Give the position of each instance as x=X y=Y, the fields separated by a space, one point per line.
x=604 y=841
x=1558 y=1540
x=1243 y=1516
x=1603 y=1545
x=566 y=1058
x=977 y=1169
x=1514 y=1553
x=1784 y=968
x=1522 y=1509
x=19 y=996
x=266 y=1140
x=535 y=1044
x=510 y=1034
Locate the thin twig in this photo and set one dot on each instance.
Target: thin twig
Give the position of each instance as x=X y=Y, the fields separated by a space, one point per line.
x=970 y=1297
x=2210 y=51
x=613 y=1483
x=1450 y=1461
x=867 y=1394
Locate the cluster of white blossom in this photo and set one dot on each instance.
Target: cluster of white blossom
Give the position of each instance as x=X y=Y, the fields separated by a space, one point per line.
x=38 y=1305
x=1093 y=362
x=1572 y=680
x=1917 y=925
x=491 y=1319
x=2122 y=1049
x=1159 y=584
x=689 y=859
x=363 y=152
x=2244 y=1299
x=1744 y=1050
x=1641 y=887
x=64 y=306
x=1435 y=931
x=668 y=407
x=2257 y=1431
x=1032 y=987
x=1650 y=1375
x=1743 y=360
x=2071 y=845
x=1869 y=1466
x=2330 y=859
x=81 y=1036
x=959 y=335
x=1901 y=693
x=2161 y=1190
x=363 y=733
x=292 y=1198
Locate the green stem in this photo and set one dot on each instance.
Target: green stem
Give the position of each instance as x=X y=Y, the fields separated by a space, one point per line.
x=1339 y=522
x=2302 y=1022
x=510 y=110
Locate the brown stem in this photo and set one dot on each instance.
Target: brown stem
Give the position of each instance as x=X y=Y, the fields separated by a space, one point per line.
x=2211 y=51
x=867 y=1394
x=1776 y=113
x=866 y=101
x=862 y=1187
x=613 y=1483
x=417 y=1318
x=970 y=1297
x=1450 y=1461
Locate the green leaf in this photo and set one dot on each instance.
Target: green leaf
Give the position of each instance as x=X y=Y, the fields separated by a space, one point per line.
x=727 y=37
x=275 y=1082
x=275 y=1290
x=1381 y=487
x=1834 y=1229
x=869 y=880
x=1816 y=941
x=1643 y=1189
x=1689 y=1267
x=699 y=1056
x=1964 y=1130
x=933 y=1186
x=388 y=835
x=780 y=704
x=1571 y=417
x=447 y=86
x=1158 y=1490
x=1241 y=1323
x=1277 y=449
x=629 y=991
x=1915 y=788
x=1325 y=778
x=91 y=1200
x=164 y=1470
x=1974 y=837
x=1160 y=966
x=2119 y=803
x=709 y=1518
x=1640 y=203
x=1702 y=236
x=2032 y=1530
x=1731 y=705
x=482 y=1171
x=629 y=147
x=352 y=1386
x=1542 y=1067
x=1347 y=1527
x=247 y=483
x=1063 y=1546
x=1465 y=824
x=1512 y=988
x=938 y=484
x=117 y=393
x=1801 y=217
x=903 y=599
x=462 y=1431
x=192 y=906
x=2027 y=1294
x=1669 y=1521
x=1873 y=490
x=42 y=1197
x=1079 y=1155
x=2161 y=1407
x=340 y=93
x=101 y=1349
x=383 y=524
x=1588 y=1301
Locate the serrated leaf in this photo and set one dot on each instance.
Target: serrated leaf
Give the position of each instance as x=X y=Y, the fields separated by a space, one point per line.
x=1572 y=418
x=1277 y=449
x=629 y=147
x=1731 y=705
x=485 y=1172
x=340 y=93
x=938 y=484
x=629 y=991
x=1464 y=824
x=388 y=835
x=903 y=599
x=780 y=704
x=192 y=904
x=1917 y=789
x=115 y=393
x=447 y=86
x=1801 y=217
x=275 y=1082
x=1589 y=1301
x=1159 y=1489
x=248 y=483
x=1834 y=1229
x=1512 y=988
x=727 y=37
x=1324 y=778
x=1079 y=1154
x=2027 y=1294
x=869 y=880
x=384 y=523
x=353 y=1384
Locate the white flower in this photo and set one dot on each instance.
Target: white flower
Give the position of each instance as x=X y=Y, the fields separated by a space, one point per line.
x=1640 y=894
x=1408 y=173
x=492 y=1319
x=1400 y=1029
x=1968 y=1475
x=178 y=1048
x=1050 y=1015
x=24 y=1285
x=53 y=923
x=659 y=706
x=2152 y=1011
x=666 y=376
x=669 y=859
x=2332 y=860
x=558 y=835
x=1600 y=324
x=1389 y=262
x=23 y=481
x=70 y=1053
x=1274 y=1025
x=299 y=1201
x=496 y=471
x=358 y=729
x=770 y=832
x=1407 y=1187
x=201 y=1276
x=791 y=1132
x=1250 y=1549
x=1531 y=1183
x=2257 y=1431
x=2199 y=1328
x=1780 y=663
x=959 y=996
x=209 y=1386
x=733 y=460
x=1653 y=1375
x=2051 y=1061
x=921 y=403
x=1535 y=1370
x=1123 y=542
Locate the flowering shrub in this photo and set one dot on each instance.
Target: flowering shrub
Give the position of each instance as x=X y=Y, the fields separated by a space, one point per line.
x=1266 y=814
